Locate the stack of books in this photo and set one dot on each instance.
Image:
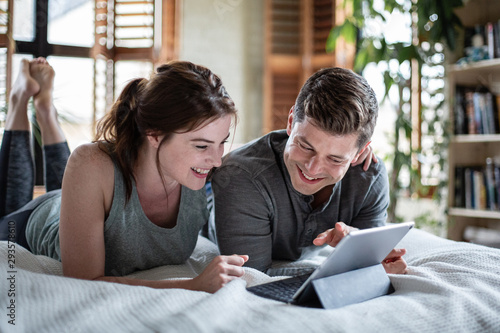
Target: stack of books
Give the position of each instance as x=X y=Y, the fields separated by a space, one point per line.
x=476 y=111
x=478 y=187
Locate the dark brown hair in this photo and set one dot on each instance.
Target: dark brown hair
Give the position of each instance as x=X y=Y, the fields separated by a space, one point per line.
x=340 y=102
x=179 y=97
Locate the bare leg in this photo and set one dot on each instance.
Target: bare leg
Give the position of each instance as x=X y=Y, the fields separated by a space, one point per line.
x=46 y=113
x=24 y=87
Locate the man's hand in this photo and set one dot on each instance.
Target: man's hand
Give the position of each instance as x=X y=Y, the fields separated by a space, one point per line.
x=366 y=157
x=333 y=236
x=394 y=262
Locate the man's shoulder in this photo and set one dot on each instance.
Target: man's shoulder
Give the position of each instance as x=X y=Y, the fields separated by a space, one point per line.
x=258 y=155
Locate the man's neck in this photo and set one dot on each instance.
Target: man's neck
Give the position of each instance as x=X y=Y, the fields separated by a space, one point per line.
x=322 y=196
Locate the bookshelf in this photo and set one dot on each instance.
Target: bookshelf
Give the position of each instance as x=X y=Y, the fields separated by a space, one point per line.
x=469 y=148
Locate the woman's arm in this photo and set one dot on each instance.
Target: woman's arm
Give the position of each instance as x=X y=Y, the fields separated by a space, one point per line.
x=87 y=195
x=220 y=271
x=367 y=157
x=87 y=192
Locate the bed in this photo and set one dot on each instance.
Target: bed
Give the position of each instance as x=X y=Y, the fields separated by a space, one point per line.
x=450 y=287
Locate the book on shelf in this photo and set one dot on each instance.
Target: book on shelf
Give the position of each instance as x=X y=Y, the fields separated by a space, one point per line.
x=490 y=184
x=497 y=116
x=478 y=187
x=490 y=40
x=468 y=192
x=496 y=173
x=459 y=187
x=460 y=122
x=476 y=111
x=496 y=38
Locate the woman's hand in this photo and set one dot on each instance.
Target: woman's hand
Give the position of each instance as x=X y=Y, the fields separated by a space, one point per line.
x=366 y=157
x=333 y=236
x=394 y=262
x=220 y=272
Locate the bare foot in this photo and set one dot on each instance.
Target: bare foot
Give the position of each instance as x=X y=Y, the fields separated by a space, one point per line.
x=46 y=113
x=24 y=87
x=43 y=74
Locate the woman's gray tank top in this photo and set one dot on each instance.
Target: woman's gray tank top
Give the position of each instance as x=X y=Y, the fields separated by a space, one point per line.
x=132 y=241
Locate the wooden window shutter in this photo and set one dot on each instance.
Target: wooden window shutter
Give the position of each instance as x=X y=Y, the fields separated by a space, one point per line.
x=294 y=48
x=7 y=43
x=125 y=30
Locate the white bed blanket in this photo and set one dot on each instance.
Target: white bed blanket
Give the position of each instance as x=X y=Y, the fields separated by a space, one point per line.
x=451 y=287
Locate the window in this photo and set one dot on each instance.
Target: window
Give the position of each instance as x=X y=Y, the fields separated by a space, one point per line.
x=71 y=22
x=95 y=46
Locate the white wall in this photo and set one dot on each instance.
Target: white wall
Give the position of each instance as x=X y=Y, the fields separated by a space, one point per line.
x=227 y=37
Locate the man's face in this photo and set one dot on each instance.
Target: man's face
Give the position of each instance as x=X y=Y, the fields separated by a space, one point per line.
x=316 y=159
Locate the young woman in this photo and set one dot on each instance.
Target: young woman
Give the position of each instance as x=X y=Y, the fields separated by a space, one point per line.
x=135 y=198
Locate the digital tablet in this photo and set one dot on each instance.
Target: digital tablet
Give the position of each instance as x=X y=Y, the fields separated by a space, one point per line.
x=358 y=249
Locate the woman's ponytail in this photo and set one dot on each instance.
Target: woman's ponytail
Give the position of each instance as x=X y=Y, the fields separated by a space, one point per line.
x=120 y=133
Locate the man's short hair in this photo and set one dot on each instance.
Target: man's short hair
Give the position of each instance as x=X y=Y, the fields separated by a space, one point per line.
x=339 y=102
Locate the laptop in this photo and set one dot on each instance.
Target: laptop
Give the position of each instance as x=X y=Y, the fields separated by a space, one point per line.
x=358 y=249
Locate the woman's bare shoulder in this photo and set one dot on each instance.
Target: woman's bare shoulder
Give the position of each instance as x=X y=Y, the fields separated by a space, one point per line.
x=91 y=154
x=90 y=158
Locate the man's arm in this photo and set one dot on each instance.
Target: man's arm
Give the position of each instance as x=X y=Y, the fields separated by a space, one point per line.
x=242 y=217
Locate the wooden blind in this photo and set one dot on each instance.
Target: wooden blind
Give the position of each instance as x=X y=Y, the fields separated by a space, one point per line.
x=295 y=47
x=285 y=88
x=124 y=29
x=285 y=27
x=4 y=21
x=7 y=44
x=324 y=16
x=103 y=29
x=134 y=29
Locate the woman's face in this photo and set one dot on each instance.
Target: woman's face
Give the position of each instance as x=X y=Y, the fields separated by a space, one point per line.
x=187 y=158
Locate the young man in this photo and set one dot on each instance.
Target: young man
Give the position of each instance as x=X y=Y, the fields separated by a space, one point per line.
x=297 y=187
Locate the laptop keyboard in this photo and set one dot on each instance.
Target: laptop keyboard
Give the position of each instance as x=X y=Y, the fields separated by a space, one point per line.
x=281 y=290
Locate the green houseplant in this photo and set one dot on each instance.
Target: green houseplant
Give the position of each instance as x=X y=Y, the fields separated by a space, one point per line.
x=411 y=71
